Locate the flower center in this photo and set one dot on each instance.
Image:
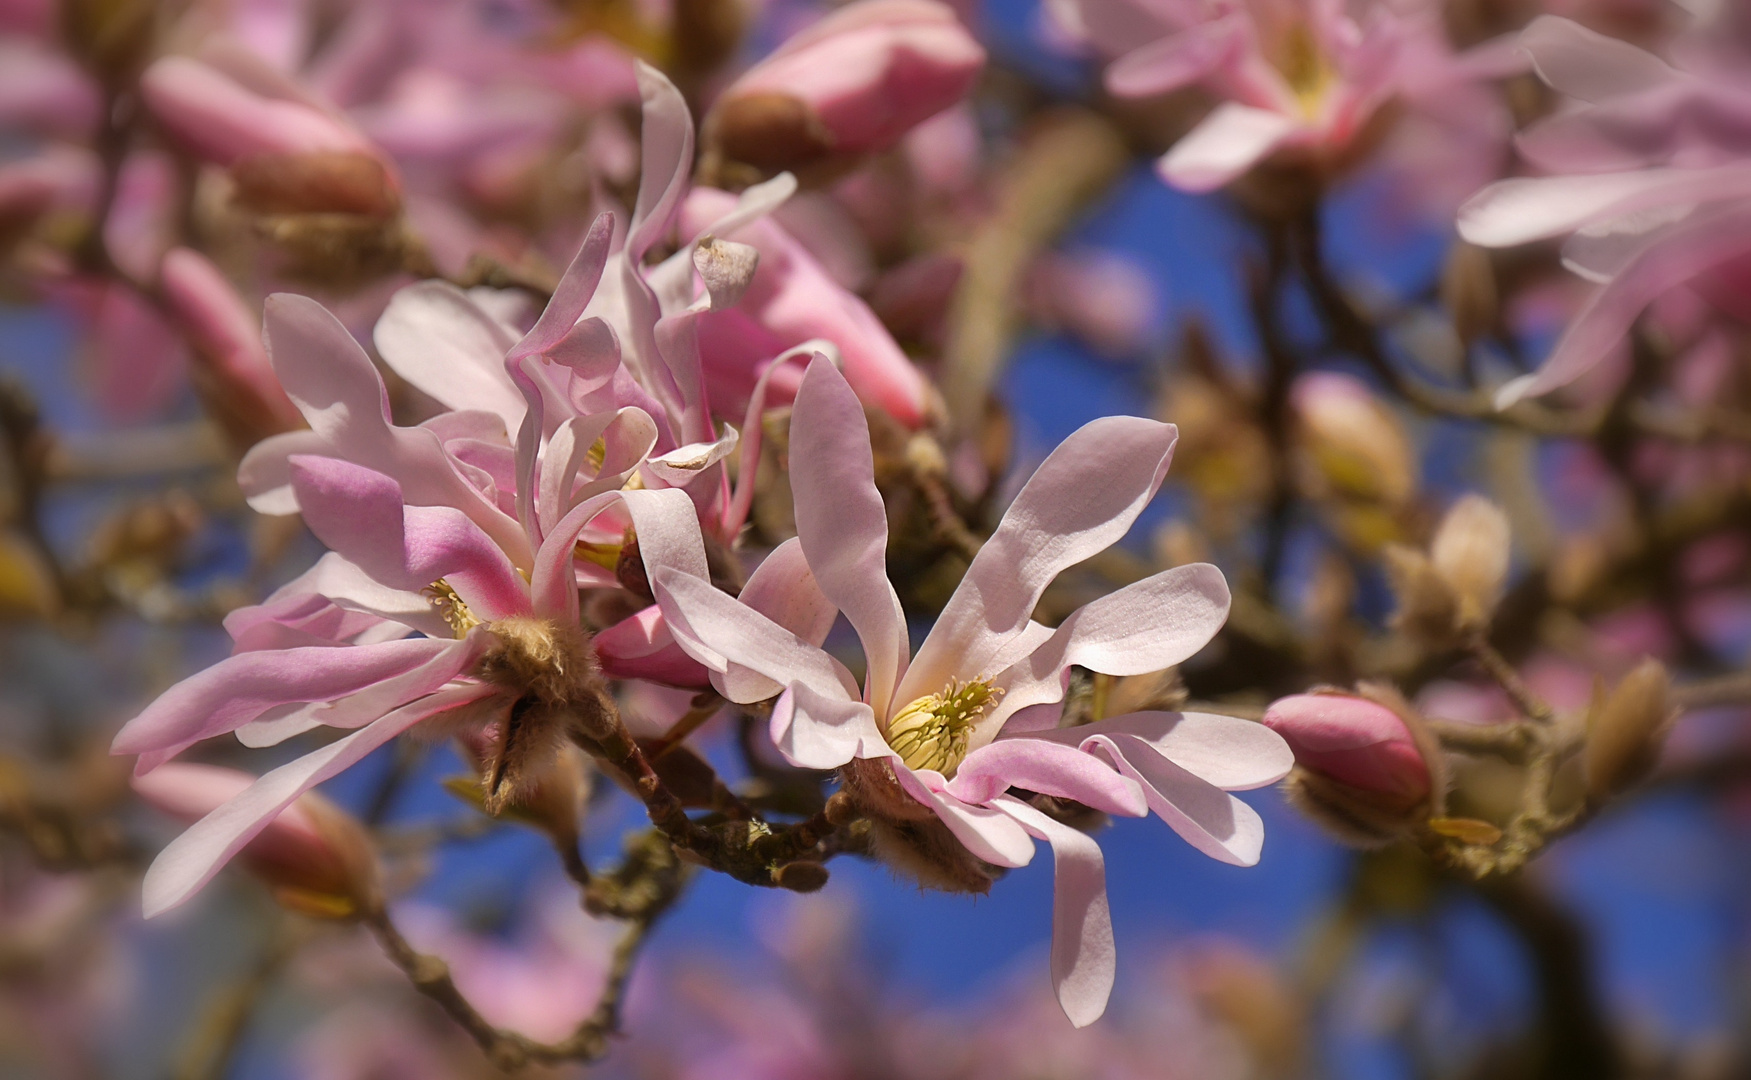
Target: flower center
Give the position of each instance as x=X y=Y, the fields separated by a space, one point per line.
x=1305 y=68
x=932 y=732
x=451 y=608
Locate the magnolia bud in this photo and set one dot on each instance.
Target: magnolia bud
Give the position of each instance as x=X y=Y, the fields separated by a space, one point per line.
x=1362 y=764
x=1356 y=443
x=1626 y=728
x=1470 y=552
x=315 y=856
x=1427 y=607
x=907 y=836
x=223 y=121
x=1468 y=291
x=316 y=182
x=235 y=376
x=853 y=83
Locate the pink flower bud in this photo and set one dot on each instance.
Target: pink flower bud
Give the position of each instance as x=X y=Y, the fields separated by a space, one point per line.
x=226 y=335
x=793 y=299
x=315 y=856
x=1356 y=742
x=223 y=121
x=853 y=83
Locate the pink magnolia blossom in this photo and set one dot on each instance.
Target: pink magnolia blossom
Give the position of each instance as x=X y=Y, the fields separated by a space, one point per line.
x=1654 y=166
x=1354 y=741
x=1306 y=76
x=950 y=722
x=421 y=542
x=854 y=83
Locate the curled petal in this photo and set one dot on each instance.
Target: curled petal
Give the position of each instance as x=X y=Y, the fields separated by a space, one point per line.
x=1205 y=816
x=718 y=630
x=819 y=731
x=1050 y=768
x=1084 y=957
x=990 y=834
x=1225 y=751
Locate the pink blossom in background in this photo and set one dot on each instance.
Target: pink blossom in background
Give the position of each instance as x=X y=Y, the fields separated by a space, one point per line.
x=950 y=722
x=1651 y=167
x=1291 y=76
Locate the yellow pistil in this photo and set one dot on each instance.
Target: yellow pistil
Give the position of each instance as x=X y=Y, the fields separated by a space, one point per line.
x=450 y=606
x=932 y=732
x=1305 y=68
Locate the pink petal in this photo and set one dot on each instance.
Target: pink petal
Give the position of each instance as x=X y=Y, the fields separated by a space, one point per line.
x=1671 y=261
x=1084 y=956
x=242 y=687
x=331 y=380
x=1177 y=60
x=843 y=525
x=1521 y=210
x=668 y=539
x=191 y=860
x=989 y=834
x=782 y=589
x=437 y=338
x=1228 y=752
x=1146 y=626
x=1205 y=816
x=360 y=514
x=1230 y=141
x=641 y=647
x=573 y=293
x=335 y=580
x=1081 y=500
x=667 y=141
x=718 y=630
x=820 y=731
x=1050 y=768
x=1582 y=63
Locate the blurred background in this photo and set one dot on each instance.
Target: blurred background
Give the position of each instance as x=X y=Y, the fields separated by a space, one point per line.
x=1314 y=323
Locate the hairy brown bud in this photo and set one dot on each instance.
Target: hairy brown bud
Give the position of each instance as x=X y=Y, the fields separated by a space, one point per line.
x=769 y=130
x=1427 y=608
x=908 y=836
x=551 y=672
x=1626 y=729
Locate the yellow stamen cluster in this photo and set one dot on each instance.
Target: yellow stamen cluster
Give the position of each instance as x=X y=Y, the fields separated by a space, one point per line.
x=450 y=606
x=932 y=732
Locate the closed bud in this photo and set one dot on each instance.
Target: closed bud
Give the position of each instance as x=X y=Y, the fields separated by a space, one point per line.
x=1356 y=445
x=234 y=374
x=221 y=120
x=1427 y=608
x=1470 y=552
x=1362 y=763
x=1626 y=729
x=315 y=856
x=1468 y=291
x=852 y=84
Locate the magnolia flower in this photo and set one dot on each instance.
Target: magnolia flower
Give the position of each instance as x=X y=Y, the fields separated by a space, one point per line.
x=1658 y=163
x=422 y=542
x=949 y=732
x=1302 y=75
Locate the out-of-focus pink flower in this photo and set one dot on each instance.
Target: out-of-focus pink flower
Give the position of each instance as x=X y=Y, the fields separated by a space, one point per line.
x=1352 y=740
x=946 y=729
x=1656 y=163
x=853 y=83
x=44 y=92
x=1293 y=75
x=1104 y=298
x=133 y=360
x=223 y=120
x=542 y=982
x=312 y=850
x=226 y=336
x=792 y=299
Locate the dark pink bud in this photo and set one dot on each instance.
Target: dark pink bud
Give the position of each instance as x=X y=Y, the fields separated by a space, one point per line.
x=1356 y=742
x=853 y=83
